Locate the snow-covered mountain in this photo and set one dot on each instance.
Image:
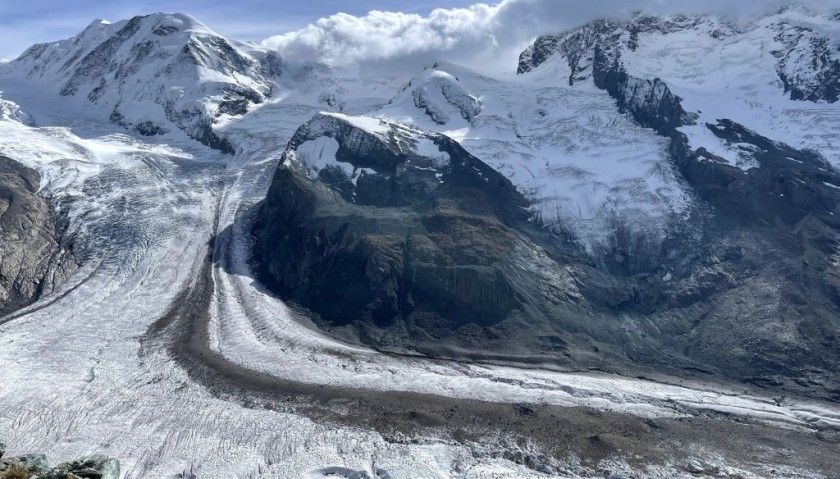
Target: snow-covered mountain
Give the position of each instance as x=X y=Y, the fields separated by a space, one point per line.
x=153 y=73
x=370 y=160
x=581 y=162
x=778 y=75
x=653 y=198
x=440 y=95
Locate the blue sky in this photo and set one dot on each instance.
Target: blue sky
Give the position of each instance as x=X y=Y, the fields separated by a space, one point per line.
x=481 y=36
x=24 y=22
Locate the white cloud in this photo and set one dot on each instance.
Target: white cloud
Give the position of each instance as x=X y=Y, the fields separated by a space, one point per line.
x=343 y=38
x=486 y=37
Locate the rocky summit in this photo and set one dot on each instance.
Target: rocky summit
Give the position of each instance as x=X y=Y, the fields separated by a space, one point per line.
x=397 y=229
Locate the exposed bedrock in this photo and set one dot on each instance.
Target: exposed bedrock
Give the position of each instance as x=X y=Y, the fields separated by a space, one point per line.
x=34 y=259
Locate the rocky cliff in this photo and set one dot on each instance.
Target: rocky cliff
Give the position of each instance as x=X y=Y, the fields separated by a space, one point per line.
x=395 y=229
x=34 y=258
x=36 y=466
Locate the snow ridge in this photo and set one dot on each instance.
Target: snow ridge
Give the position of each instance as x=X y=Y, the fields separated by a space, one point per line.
x=441 y=96
x=381 y=145
x=189 y=73
x=778 y=75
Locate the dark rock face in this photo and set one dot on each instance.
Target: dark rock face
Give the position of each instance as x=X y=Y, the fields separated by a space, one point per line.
x=788 y=186
x=807 y=66
x=777 y=278
x=417 y=248
x=33 y=258
x=651 y=102
x=576 y=47
x=147 y=128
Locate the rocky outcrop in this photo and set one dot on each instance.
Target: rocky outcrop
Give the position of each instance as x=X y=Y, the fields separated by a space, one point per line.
x=35 y=466
x=34 y=258
x=594 y=52
x=776 y=304
x=415 y=247
x=575 y=47
x=651 y=102
x=788 y=185
x=807 y=64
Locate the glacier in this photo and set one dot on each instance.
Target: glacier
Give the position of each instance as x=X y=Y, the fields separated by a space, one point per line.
x=80 y=371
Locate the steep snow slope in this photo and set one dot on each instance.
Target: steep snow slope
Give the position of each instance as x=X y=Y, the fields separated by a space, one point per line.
x=152 y=73
x=440 y=95
x=318 y=148
x=586 y=167
x=778 y=76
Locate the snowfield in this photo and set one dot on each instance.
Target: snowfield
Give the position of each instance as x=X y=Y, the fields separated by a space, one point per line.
x=582 y=163
x=78 y=375
x=729 y=71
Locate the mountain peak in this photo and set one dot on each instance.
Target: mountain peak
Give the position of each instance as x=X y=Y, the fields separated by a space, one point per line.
x=171 y=60
x=799 y=47
x=169 y=23
x=439 y=94
x=99 y=22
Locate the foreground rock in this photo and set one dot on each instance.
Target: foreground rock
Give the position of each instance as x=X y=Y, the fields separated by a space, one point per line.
x=33 y=257
x=35 y=466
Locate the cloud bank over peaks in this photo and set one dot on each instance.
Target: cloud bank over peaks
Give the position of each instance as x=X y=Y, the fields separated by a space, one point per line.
x=483 y=36
x=345 y=39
